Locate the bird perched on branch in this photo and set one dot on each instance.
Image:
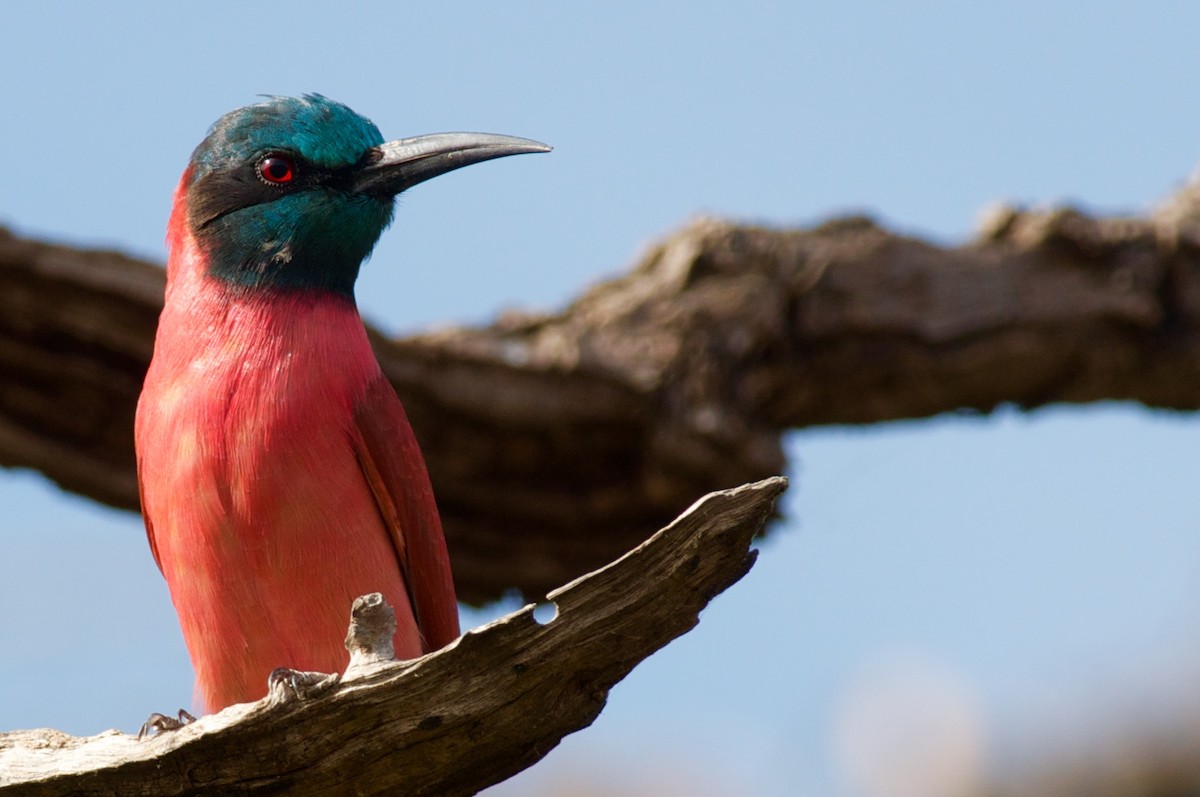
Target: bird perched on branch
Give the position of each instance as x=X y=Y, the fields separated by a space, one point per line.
x=279 y=475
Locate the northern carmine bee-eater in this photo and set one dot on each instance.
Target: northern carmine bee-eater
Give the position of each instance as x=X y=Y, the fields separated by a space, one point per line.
x=279 y=476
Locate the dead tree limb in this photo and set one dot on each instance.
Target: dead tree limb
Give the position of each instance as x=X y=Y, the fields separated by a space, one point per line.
x=554 y=440
x=451 y=723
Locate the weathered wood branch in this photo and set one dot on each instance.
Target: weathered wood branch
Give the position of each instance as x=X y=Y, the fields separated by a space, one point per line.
x=451 y=723
x=554 y=440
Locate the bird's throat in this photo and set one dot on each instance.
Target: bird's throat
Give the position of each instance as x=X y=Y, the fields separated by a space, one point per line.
x=279 y=263
x=314 y=240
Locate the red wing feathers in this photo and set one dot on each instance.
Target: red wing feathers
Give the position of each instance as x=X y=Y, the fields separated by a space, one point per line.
x=146 y=517
x=395 y=471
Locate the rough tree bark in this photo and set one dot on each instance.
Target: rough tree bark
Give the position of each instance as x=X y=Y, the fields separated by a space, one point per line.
x=554 y=441
x=451 y=723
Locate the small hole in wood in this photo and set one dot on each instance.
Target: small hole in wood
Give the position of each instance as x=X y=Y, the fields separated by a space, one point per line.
x=545 y=612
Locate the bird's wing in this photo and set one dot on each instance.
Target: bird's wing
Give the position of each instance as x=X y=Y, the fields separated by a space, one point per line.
x=395 y=470
x=146 y=516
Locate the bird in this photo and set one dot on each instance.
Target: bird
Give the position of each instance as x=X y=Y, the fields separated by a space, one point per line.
x=279 y=475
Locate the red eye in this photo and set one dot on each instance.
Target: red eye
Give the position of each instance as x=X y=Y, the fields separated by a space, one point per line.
x=276 y=169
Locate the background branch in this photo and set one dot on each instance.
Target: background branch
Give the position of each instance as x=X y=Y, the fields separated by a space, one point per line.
x=583 y=428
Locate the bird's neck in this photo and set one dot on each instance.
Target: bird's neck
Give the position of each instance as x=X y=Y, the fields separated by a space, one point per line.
x=205 y=315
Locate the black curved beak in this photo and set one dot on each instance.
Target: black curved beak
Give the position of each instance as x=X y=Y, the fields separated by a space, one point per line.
x=399 y=165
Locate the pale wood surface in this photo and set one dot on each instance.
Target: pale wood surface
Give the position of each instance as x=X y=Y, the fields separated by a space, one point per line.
x=451 y=723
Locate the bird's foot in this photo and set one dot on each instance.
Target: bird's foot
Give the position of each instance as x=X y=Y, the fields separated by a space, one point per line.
x=284 y=684
x=160 y=723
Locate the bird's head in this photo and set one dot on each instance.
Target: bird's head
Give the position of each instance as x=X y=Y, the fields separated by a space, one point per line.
x=293 y=193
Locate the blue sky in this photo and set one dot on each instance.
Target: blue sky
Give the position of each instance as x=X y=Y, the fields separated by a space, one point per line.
x=1027 y=577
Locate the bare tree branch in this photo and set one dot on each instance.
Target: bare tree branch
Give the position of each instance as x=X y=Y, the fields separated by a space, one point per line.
x=451 y=723
x=554 y=440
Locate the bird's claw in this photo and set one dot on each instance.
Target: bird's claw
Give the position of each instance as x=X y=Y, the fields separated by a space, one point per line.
x=161 y=723
x=284 y=683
